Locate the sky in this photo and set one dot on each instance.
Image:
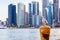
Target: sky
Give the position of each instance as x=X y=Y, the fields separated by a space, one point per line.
x=4 y=6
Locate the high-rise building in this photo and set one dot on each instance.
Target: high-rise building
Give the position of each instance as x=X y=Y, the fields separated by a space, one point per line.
x=49 y=17
x=11 y=15
x=56 y=11
x=20 y=14
x=26 y=20
x=34 y=13
x=30 y=14
x=59 y=17
x=45 y=3
x=35 y=8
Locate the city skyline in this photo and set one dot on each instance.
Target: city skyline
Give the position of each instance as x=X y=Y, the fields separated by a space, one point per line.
x=35 y=10
x=4 y=6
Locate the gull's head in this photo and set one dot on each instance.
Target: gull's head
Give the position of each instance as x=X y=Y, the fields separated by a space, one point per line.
x=44 y=21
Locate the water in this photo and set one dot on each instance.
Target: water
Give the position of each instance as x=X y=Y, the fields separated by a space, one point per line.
x=26 y=34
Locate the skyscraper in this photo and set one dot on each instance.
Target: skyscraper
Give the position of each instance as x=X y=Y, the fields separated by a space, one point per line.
x=30 y=14
x=20 y=14
x=55 y=10
x=11 y=15
x=26 y=19
x=59 y=15
x=35 y=8
x=45 y=3
x=49 y=17
x=34 y=13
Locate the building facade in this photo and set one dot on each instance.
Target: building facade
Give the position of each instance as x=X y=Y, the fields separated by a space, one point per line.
x=59 y=17
x=34 y=13
x=49 y=17
x=11 y=15
x=56 y=11
x=45 y=3
x=30 y=14
x=26 y=20
x=20 y=14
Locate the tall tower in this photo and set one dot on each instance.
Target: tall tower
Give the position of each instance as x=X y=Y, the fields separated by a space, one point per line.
x=35 y=8
x=30 y=14
x=49 y=17
x=45 y=3
x=11 y=15
x=26 y=18
x=34 y=13
x=20 y=14
x=59 y=16
x=56 y=11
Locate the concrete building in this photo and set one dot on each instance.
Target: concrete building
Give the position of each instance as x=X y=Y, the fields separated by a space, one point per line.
x=20 y=14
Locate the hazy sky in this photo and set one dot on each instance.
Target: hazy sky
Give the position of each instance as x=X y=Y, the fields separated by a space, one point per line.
x=4 y=6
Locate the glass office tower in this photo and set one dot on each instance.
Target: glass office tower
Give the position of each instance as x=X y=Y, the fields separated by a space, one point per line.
x=20 y=14
x=45 y=3
x=34 y=13
x=11 y=14
x=50 y=6
x=56 y=11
